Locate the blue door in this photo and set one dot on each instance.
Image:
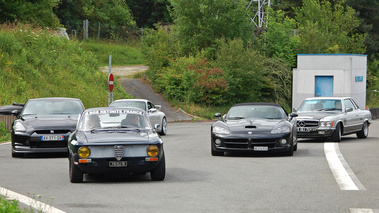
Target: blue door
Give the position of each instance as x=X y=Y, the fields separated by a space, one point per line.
x=324 y=86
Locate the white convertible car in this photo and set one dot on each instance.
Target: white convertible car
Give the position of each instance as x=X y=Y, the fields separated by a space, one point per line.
x=156 y=116
x=324 y=117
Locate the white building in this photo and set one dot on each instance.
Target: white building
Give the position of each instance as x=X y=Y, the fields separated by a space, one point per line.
x=330 y=75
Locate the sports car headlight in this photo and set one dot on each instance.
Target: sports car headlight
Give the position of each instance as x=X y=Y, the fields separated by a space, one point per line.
x=84 y=152
x=281 y=129
x=18 y=127
x=220 y=130
x=326 y=123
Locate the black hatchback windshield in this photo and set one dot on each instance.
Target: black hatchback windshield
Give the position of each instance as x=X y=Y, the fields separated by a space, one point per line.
x=52 y=107
x=256 y=112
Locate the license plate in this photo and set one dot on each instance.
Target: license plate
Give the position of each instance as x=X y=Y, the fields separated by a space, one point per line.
x=303 y=129
x=52 y=138
x=118 y=163
x=260 y=148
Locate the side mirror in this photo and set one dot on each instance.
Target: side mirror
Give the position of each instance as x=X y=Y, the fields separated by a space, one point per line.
x=152 y=110
x=349 y=109
x=159 y=107
x=293 y=115
x=156 y=126
x=15 y=112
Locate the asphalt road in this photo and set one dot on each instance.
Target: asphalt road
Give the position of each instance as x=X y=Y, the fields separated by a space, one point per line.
x=197 y=182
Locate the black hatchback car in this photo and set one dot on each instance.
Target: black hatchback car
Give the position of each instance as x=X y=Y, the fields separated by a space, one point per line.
x=112 y=140
x=254 y=127
x=44 y=125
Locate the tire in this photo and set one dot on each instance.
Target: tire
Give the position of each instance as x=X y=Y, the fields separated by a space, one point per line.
x=164 y=127
x=295 y=148
x=364 y=132
x=337 y=134
x=290 y=151
x=159 y=173
x=76 y=175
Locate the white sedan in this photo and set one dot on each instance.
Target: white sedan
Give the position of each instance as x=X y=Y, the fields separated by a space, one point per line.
x=156 y=116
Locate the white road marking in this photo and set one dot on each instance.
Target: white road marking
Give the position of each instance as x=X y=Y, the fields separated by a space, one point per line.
x=29 y=201
x=342 y=172
x=5 y=143
x=363 y=210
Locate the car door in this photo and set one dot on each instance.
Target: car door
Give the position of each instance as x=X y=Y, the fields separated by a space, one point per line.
x=153 y=114
x=352 y=116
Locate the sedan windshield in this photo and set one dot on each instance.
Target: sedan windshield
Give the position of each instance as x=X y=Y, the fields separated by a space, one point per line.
x=137 y=104
x=320 y=105
x=256 y=112
x=52 y=107
x=113 y=119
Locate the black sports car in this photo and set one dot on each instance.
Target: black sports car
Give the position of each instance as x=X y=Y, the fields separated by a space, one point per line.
x=44 y=125
x=254 y=127
x=112 y=140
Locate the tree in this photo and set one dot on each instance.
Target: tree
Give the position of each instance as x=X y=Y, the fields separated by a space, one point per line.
x=200 y=23
x=150 y=12
x=33 y=12
x=325 y=28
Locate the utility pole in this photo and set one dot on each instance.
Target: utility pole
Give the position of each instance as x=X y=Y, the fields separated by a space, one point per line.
x=258 y=9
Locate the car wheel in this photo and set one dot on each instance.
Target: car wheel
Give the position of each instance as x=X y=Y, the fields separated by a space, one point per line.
x=164 y=127
x=290 y=151
x=159 y=172
x=17 y=155
x=295 y=148
x=76 y=176
x=364 y=132
x=337 y=134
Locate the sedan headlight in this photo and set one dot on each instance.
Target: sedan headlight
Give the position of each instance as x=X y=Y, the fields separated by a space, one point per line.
x=152 y=151
x=281 y=129
x=326 y=123
x=84 y=152
x=18 y=127
x=220 y=130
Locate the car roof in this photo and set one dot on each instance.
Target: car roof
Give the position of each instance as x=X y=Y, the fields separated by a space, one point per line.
x=257 y=103
x=53 y=98
x=120 y=100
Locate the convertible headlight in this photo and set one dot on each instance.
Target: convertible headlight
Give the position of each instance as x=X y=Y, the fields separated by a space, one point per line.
x=18 y=127
x=326 y=123
x=84 y=152
x=220 y=130
x=152 y=151
x=281 y=129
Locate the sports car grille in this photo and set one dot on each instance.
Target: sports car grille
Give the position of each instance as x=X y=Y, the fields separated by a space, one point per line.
x=58 y=131
x=307 y=123
x=118 y=151
x=245 y=143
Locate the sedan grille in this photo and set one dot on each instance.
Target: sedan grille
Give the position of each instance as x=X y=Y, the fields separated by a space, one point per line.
x=307 y=123
x=58 y=131
x=118 y=151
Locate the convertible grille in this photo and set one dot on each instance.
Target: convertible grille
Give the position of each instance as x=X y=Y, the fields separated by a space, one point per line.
x=307 y=123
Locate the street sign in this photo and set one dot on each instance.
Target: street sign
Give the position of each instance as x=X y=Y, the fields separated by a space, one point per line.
x=110 y=82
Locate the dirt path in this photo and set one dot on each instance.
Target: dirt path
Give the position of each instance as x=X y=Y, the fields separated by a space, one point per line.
x=139 y=89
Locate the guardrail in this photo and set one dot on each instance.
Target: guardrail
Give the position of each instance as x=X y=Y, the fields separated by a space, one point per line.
x=374 y=113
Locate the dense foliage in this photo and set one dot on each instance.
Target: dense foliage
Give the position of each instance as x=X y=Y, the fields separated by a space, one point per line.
x=36 y=63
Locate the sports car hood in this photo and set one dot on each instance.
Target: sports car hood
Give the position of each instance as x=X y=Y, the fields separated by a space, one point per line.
x=315 y=115
x=259 y=124
x=128 y=136
x=50 y=122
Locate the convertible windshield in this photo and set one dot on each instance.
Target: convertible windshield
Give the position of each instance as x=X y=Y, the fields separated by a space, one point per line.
x=113 y=119
x=52 y=107
x=256 y=112
x=320 y=105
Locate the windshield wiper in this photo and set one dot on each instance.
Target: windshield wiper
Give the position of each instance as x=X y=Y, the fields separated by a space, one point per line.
x=237 y=118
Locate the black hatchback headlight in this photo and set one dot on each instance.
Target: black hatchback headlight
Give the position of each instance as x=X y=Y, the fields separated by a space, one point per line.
x=281 y=129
